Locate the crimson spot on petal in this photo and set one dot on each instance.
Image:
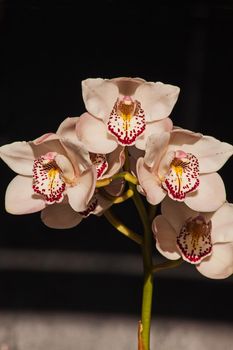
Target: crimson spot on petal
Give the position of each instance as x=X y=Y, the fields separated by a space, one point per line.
x=100 y=162
x=47 y=180
x=194 y=239
x=127 y=121
x=182 y=177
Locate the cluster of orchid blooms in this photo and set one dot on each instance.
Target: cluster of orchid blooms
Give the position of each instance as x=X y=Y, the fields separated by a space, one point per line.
x=76 y=171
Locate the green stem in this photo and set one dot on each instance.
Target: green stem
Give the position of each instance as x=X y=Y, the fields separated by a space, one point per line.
x=120 y=199
x=152 y=212
x=167 y=265
x=148 y=274
x=147 y=293
x=124 y=175
x=122 y=228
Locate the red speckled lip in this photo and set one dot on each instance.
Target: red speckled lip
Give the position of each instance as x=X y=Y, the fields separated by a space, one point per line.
x=126 y=126
x=182 y=177
x=47 y=180
x=194 y=239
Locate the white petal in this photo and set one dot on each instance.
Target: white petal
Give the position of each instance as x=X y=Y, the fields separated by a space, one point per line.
x=66 y=129
x=150 y=183
x=18 y=156
x=222 y=221
x=60 y=216
x=94 y=135
x=164 y=125
x=176 y=213
x=155 y=148
x=99 y=96
x=157 y=99
x=80 y=194
x=77 y=154
x=220 y=264
x=212 y=153
x=20 y=197
x=209 y=196
x=165 y=237
x=115 y=160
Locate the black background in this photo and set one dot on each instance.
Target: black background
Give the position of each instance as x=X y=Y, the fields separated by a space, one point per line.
x=47 y=49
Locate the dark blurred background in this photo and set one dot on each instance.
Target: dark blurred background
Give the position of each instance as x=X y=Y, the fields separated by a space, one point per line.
x=47 y=49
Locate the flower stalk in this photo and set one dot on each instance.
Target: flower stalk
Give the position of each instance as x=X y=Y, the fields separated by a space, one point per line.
x=123 y=175
x=122 y=228
x=147 y=294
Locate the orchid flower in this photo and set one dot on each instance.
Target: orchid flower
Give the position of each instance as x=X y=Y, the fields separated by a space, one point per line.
x=183 y=165
x=106 y=163
x=123 y=111
x=106 y=166
x=55 y=176
x=200 y=238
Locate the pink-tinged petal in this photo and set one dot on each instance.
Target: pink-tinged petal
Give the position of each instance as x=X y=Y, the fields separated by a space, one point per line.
x=99 y=96
x=165 y=163
x=155 y=148
x=165 y=237
x=90 y=207
x=18 y=156
x=60 y=216
x=176 y=212
x=183 y=138
x=20 y=197
x=212 y=153
x=126 y=124
x=141 y=190
x=102 y=205
x=65 y=167
x=182 y=177
x=100 y=163
x=116 y=160
x=73 y=149
x=164 y=125
x=127 y=86
x=194 y=239
x=116 y=187
x=45 y=144
x=134 y=154
x=150 y=183
x=157 y=99
x=220 y=264
x=47 y=179
x=96 y=206
x=66 y=129
x=45 y=137
x=77 y=154
x=210 y=195
x=222 y=221
x=94 y=135
x=80 y=195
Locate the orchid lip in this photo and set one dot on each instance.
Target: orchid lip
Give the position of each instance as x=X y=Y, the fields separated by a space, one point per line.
x=194 y=240
x=126 y=121
x=47 y=179
x=100 y=162
x=91 y=207
x=182 y=177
